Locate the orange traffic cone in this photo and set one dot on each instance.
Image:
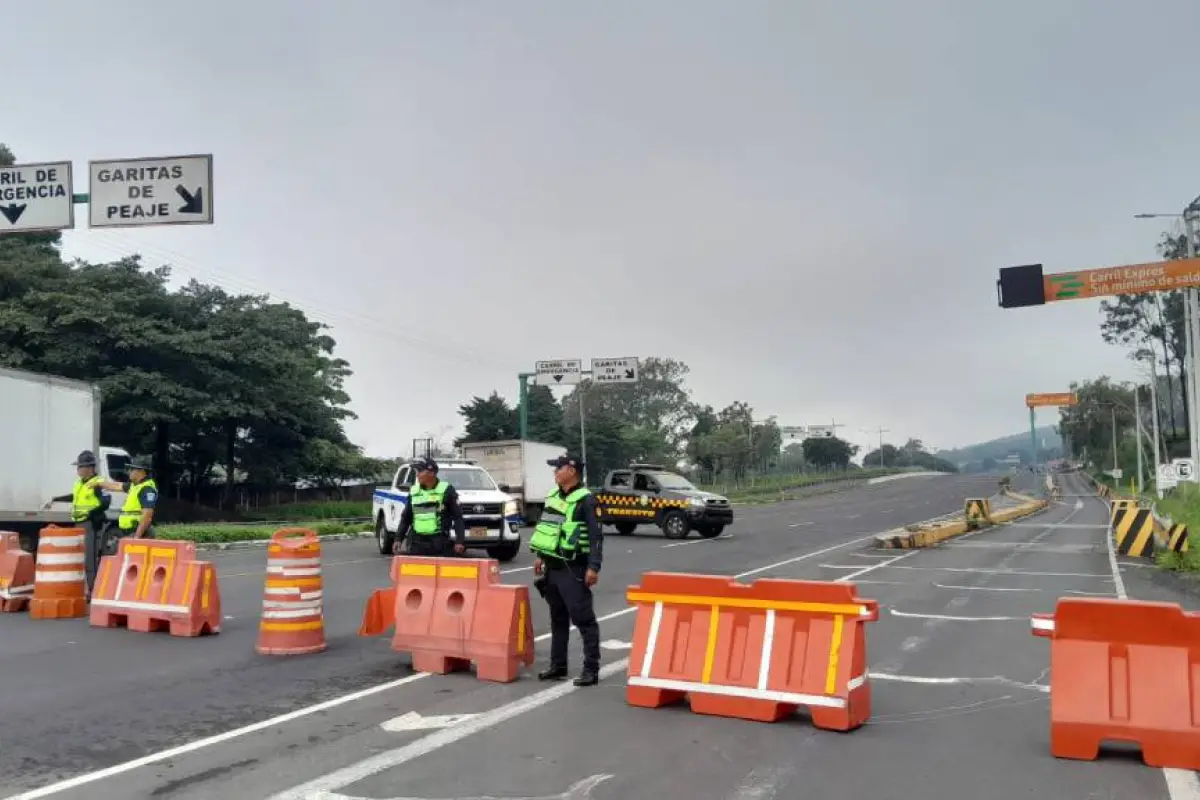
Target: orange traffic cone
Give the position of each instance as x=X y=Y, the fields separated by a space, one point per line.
x=59 y=580
x=293 y=618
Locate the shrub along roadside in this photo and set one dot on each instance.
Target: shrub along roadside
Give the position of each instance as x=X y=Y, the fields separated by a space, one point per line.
x=1183 y=506
x=211 y=534
x=772 y=489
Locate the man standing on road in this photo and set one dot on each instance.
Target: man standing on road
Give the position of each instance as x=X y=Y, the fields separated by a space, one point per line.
x=89 y=505
x=567 y=544
x=141 y=498
x=431 y=510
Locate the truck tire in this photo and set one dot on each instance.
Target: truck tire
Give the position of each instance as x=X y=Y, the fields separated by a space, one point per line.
x=505 y=552
x=710 y=531
x=625 y=528
x=675 y=525
x=383 y=537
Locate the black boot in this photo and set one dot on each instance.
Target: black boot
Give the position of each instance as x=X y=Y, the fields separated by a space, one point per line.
x=589 y=677
x=553 y=673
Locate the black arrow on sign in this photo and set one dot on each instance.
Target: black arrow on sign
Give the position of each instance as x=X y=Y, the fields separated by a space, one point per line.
x=629 y=374
x=12 y=212
x=558 y=378
x=192 y=203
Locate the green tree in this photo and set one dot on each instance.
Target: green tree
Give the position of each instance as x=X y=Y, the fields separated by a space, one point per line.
x=488 y=419
x=828 y=452
x=545 y=416
x=1088 y=426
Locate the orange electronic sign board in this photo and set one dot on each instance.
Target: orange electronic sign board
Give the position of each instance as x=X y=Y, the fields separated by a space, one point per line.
x=1052 y=399
x=1159 y=276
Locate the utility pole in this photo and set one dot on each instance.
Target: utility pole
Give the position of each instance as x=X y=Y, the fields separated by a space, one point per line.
x=1137 y=434
x=1154 y=425
x=881 y=431
x=1116 y=465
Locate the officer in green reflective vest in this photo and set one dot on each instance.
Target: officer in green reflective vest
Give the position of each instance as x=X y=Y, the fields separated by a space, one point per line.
x=431 y=511
x=141 y=498
x=568 y=548
x=88 y=506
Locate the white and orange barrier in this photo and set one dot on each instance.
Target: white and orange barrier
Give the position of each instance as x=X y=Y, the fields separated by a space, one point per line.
x=59 y=582
x=153 y=585
x=755 y=651
x=16 y=573
x=293 y=617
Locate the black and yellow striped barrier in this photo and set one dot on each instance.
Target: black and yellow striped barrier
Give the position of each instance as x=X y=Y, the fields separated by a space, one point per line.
x=1175 y=539
x=977 y=511
x=1132 y=529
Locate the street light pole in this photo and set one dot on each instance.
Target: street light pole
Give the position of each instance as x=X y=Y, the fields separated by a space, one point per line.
x=1137 y=435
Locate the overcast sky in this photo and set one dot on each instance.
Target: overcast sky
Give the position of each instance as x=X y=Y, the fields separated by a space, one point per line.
x=807 y=202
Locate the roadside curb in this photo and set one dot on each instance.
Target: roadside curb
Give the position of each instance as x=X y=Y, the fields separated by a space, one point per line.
x=259 y=544
x=932 y=532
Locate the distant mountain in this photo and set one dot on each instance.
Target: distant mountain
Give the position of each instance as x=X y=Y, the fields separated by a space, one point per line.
x=974 y=456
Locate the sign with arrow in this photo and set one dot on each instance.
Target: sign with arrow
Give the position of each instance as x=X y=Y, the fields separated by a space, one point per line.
x=564 y=372
x=36 y=197
x=136 y=192
x=615 y=370
x=1030 y=285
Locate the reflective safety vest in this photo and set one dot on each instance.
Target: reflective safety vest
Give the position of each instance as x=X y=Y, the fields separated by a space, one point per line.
x=84 y=499
x=131 y=512
x=557 y=533
x=427 y=505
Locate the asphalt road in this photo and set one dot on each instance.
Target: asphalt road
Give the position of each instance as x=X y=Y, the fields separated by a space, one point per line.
x=90 y=708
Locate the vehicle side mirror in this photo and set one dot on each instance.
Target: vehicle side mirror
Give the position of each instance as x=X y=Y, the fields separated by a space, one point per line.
x=404 y=487
x=504 y=487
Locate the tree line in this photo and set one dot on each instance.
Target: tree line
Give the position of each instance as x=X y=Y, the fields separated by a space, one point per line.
x=657 y=421
x=1150 y=327
x=209 y=383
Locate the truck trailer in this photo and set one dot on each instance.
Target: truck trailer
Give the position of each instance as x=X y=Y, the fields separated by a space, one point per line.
x=519 y=466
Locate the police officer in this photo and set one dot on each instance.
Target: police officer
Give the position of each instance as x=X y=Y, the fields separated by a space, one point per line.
x=88 y=506
x=567 y=544
x=141 y=498
x=431 y=510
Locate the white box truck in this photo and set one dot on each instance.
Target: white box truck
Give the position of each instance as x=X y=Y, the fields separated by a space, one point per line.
x=47 y=422
x=520 y=469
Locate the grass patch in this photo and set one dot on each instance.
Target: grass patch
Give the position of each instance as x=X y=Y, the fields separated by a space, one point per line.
x=204 y=533
x=1183 y=506
x=331 y=509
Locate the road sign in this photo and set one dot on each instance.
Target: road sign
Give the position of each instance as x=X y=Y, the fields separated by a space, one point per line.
x=821 y=432
x=1167 y=478
x=36 y=197
x=615 y=370
x=135 y=192
x=1028 y=286
x=1185 y=469
x=564 y=372
x=1052 y=399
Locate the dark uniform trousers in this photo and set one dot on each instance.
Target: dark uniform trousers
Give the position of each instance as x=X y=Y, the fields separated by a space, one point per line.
x=435 y=546
x=570 y=601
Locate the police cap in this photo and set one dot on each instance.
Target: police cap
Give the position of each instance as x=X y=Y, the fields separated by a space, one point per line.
x=425 y=465
x=567 y=461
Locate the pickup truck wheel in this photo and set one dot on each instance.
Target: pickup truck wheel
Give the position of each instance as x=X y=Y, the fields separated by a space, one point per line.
x=505 y=552
x=675 y=525
x=625 y=528
x=384 y=537
x=711 y=531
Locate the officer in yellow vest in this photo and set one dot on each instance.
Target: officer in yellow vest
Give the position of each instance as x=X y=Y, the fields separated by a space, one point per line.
x=567 y=545
x=88 y=506
x=141 y=498
x=430 y=513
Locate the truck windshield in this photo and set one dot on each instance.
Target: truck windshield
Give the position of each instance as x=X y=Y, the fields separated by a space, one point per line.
x=669 y=480
x=118 y=467
x=464 y=479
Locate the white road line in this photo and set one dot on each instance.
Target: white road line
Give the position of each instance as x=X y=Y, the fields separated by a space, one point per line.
x=1009 y=571
x=800 y=524
x=884 y=676
x=981 y=588
x=873 y=567
x=435 y=741
x=266 y=724
x=700 y=541
x=951 y=617
x=1182 y=784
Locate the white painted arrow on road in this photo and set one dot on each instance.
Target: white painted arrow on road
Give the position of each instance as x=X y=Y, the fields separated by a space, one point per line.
x=615 y=644
x=412 y=721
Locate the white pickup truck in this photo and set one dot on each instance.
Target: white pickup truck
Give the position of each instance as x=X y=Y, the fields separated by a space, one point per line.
x=490 y=515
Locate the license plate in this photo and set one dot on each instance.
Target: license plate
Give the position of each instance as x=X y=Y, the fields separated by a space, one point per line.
x=477 y=533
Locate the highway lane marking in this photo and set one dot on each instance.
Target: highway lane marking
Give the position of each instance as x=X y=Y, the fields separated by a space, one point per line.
x=916 y=679
x=800 y=524
x=954 y=618
x=699 y=541
x=1009 y=571
x=982 y=588
x=300 y=713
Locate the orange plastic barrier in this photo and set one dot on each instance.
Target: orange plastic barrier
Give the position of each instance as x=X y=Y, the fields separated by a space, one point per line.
x=754 y=651
x=59 y=583
x=449 y=612
x=293 y=617
x=153 y=585
x=1124 y=670
x=16 y=573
